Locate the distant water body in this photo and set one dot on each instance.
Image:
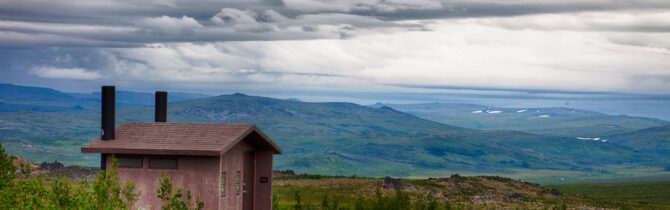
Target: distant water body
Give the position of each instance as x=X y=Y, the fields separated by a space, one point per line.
x=655 y=106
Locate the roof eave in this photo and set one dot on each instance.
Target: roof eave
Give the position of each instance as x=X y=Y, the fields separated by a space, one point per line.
x=136 y=151
x=275 y=147
x=253 y=128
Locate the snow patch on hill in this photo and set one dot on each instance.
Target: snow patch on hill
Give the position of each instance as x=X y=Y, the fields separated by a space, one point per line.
x=592 y=139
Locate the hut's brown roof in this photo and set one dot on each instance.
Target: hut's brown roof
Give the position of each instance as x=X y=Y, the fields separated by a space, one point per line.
x=160 y=138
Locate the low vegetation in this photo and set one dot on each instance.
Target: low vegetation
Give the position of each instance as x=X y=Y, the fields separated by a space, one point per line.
x=455 y=192
x=640 y=192
x=19 y=189
x=104 y=190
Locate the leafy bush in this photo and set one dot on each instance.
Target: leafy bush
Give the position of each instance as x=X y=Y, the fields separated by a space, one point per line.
x=105 y=192
x=176 y=201
x=7 y=168
x=328 y=204
x=400 y=200
x=297 y=198
x=108 y=191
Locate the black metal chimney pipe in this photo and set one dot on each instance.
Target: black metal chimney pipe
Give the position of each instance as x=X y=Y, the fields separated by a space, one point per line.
x=103 y=162
x=108 y=112
x=161 y=106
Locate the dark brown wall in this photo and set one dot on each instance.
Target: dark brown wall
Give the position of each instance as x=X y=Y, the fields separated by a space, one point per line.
x=202 y=175
x=195 y=173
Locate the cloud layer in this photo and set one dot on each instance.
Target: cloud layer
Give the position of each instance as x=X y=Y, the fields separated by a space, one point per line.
x=576 y=45
x=64 y=73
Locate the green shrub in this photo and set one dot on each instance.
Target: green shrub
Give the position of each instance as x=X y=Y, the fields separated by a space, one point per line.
x=328 y=204
x=175 y=201
x=426 y=202
x=7 y=168
x=298 y=199
x=324 y=202
x=105 y=192
x=359 y=203
x=109 y=192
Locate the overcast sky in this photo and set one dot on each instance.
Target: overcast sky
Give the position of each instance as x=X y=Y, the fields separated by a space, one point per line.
x=216 y=46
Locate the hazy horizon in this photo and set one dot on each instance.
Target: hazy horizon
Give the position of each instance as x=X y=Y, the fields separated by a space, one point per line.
x=642 y=105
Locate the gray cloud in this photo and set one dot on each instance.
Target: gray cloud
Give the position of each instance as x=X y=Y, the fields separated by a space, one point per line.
x=620 y=21
x=572 y=45
x=37 y=23
x=168 y=26
x=65 y=73
x=228 y=24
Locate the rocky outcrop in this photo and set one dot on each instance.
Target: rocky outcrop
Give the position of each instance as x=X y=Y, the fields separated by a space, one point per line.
x=392 y=183
x=51 y=166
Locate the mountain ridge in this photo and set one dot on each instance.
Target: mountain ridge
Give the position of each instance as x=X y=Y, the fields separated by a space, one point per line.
x=551 y=121
x=337 y=138
x=15 y=98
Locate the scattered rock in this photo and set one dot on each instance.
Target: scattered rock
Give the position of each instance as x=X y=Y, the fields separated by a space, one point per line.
x=458 y=187
x=517 y=196
x=77 y=172
x=391 y=182
x=51 y=166
x=435 y=194
x=455 y=176
x=284 y=172
x=554 y=191
x=482 y=200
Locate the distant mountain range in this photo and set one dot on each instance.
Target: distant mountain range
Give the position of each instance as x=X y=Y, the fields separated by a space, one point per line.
x=553 y=121
x=24 y=98
x=346 y=139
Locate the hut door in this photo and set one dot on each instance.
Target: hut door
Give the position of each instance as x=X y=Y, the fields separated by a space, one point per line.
x=248 y=183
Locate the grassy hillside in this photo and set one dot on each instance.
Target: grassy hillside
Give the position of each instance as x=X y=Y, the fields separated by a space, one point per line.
x=340 y=139
x=543 y=121
x=651 y=140
x=456 y=192
x=636 y=192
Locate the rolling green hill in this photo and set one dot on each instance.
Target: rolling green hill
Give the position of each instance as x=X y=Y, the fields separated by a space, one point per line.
x=544 y=121
x=339 y=139
x=651 y=140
